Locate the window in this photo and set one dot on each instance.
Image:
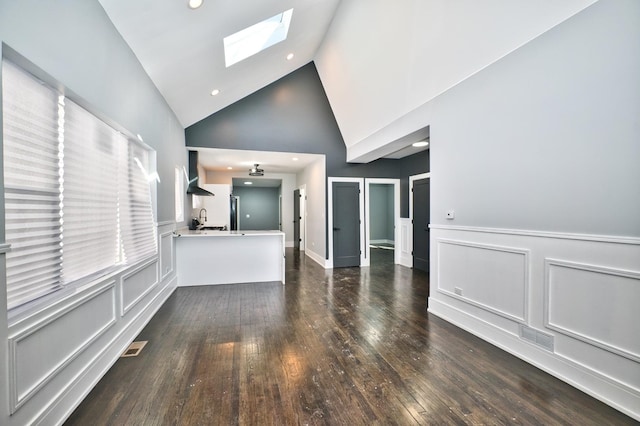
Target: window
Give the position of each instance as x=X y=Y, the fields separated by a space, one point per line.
x=77 y=194
x=179 y=195
x=256 y=38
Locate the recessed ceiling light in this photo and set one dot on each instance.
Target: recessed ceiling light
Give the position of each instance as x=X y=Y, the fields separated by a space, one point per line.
x=420 y=144
x=248 y=183
x=295 y=158
x=215 y=92
x=229 y=168
x=194 y=4
x=289 y=56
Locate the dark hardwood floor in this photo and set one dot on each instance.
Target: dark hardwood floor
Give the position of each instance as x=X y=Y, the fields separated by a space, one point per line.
x=344 y=347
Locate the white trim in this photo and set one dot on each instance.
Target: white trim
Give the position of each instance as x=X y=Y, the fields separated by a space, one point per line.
x=360 y=182
x=16 y=400
x=548 y=263
x=91 y=372
x=544 y=234
x=125 y=309
x=5 y=248
x=602 y=387
x=396 y=216
x=165 y=223
x=405 y=244
x=161 y=254
x=525 y=279
x=320 y=260
x=383 y=241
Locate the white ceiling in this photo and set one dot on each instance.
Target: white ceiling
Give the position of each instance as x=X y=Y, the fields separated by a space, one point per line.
x=182 y=49
x=240 y=160
x=182 y=52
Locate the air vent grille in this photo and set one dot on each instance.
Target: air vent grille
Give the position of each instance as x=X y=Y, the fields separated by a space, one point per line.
x=539 y=338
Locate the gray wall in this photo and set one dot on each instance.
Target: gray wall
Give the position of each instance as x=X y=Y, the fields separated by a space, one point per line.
x=261 y=204
x=547 y=138
x=381 y=225
x=294 y=115
x=75 y=43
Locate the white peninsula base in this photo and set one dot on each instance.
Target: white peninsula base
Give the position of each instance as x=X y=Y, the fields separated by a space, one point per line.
x=229 y=257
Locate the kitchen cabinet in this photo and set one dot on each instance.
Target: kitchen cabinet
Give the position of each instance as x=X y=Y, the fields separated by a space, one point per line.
x=229 y=257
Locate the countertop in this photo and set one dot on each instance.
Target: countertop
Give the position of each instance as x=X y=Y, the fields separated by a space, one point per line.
x=209 y=233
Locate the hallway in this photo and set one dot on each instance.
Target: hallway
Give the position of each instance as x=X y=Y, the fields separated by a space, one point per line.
x=338 y=347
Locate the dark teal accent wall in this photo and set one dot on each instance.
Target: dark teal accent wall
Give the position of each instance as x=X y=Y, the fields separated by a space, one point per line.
x=294 y=115
x=262 y=206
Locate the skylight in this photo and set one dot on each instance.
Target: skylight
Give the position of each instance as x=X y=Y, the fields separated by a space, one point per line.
x=256 y=38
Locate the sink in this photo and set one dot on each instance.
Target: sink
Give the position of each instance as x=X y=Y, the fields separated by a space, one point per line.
x=212 y=228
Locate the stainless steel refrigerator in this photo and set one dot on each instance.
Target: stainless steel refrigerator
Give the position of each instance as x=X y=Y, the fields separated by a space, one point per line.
x=233 y=202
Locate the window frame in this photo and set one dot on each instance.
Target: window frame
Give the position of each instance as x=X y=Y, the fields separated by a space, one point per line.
x=65 y=289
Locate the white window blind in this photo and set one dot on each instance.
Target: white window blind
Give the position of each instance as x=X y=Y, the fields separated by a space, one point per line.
x=137 y=225
x=31 y=180
x=77 y=197
x=89 y=194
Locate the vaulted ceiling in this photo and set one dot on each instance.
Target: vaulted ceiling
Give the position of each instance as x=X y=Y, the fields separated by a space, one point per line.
x=380 y=62
x=182 y=48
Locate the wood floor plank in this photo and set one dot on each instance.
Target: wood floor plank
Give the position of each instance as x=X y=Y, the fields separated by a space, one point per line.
x=352 y=346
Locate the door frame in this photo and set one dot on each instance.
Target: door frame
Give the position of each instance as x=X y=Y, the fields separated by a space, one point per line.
x=303 y=215
x=396 y=216
x=360 y=182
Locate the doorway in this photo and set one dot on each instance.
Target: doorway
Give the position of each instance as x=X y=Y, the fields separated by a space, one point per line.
x=346 y=222
x=299 y=215
x=382 y=217
x=420 y=195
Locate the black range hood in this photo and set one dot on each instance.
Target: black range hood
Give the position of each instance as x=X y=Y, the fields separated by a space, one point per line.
x=193 y=187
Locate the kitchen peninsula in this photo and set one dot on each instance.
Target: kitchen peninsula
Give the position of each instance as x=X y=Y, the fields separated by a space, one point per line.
x=205 y=257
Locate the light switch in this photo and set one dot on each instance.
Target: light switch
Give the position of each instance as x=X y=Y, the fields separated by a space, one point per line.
x=451 y=215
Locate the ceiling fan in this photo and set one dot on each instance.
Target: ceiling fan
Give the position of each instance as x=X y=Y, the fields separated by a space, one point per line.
x=255 y=171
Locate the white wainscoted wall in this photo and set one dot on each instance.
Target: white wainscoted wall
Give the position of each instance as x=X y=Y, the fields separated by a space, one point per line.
x=57 y=354
x=405 y=245
x=567 y=303
x=537 y=156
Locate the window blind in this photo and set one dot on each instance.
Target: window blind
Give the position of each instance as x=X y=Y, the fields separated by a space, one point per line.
x=89 y=194
x=137 y=225
x=77 y=194
x=31 y=180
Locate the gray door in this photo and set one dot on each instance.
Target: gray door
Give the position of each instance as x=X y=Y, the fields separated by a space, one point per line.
x=296 y=219
x=421 y=224
x=346 y=224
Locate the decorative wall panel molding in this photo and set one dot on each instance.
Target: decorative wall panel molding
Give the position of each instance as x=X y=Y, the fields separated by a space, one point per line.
x=62 y=335
x=492 y=277
x=543 y=234
x=595 y=304
x=135 y=285
x=166 y=254
x=406 y=242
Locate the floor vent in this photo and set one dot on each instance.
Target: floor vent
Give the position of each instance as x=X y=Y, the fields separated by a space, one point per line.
x=539 y=338
x=134 y=349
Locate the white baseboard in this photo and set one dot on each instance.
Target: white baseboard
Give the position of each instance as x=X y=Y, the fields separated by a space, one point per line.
x=320 y=260
x=611 y=392
x=391 y=242
x=73 y=395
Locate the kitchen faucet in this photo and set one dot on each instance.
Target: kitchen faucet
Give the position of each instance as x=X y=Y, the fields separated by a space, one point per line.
x=200 y=215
